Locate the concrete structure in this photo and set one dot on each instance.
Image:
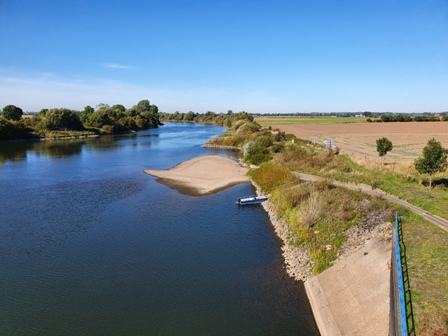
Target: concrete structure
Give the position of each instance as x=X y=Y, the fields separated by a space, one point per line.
x=352 y=297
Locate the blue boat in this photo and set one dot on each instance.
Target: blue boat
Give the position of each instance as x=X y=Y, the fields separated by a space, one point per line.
x=251 y=200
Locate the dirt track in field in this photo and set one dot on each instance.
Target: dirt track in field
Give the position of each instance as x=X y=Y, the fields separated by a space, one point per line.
x=359 y=139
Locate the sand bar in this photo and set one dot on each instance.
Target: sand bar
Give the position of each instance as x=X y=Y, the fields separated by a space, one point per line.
x=202 y=175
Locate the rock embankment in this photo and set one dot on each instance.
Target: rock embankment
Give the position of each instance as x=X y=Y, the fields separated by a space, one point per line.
x=374 y=225
x=298 y=263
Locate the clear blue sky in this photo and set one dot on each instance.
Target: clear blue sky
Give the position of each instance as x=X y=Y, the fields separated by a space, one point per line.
x=258 y=56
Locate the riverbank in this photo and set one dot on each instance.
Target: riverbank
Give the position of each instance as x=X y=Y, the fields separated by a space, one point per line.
x=353 y=296
x=356 y=286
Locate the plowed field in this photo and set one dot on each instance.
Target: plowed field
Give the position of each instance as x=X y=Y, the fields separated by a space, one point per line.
x=358 y=140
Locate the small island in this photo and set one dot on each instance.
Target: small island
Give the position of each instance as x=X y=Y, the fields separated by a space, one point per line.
x=203 y=175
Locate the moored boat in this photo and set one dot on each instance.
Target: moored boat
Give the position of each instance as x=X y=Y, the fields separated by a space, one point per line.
x=251 y=200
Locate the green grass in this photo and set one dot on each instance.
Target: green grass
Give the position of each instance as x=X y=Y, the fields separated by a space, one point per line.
x=318 y=214
x=65 y=134
x=426 y=244
x=427 y=259
x=343 y=169
x=275 y=121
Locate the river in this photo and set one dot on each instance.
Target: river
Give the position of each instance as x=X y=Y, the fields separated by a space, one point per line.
x=90 y=245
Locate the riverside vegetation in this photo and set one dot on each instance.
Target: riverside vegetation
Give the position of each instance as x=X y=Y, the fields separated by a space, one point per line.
x=62 y=122
x=320 y=215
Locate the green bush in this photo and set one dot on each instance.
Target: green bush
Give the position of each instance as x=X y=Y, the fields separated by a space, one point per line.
x=10 y=130
x=270 y=175
x=62 y=119
x=255 y=153
x=108 y=129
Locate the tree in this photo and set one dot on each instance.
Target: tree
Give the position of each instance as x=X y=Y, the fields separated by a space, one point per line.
x=190 y=116
x=154 y=109
x=60 y=119
x=119 y=107
x=12 y=112
x=434 y=159
x=386 y=118
x=102 y=106
x=143 y=106
x=383 y=146
x=88 y=110
x=85 y=115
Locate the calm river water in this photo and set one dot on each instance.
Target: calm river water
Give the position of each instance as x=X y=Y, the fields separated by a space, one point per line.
x=90 y=245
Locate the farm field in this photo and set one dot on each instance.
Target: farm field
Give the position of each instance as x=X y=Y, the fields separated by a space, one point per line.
x=279 y=120
x=358 y=138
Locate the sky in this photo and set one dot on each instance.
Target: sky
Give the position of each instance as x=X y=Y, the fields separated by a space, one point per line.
x=282 y=56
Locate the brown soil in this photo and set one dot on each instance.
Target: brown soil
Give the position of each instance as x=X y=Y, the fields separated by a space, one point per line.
x=359 y=139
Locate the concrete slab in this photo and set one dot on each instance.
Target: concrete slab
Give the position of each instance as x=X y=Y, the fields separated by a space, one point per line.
x=352 y=297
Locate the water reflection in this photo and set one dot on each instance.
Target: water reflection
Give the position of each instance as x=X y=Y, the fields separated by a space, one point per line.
x=134 y=136
x=58 y=149
x=9 y=153
x=92 y=246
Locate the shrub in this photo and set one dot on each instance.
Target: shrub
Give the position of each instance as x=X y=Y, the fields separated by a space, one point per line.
x=255 y=153
x=10 y=130
x=270 y=175
x=62 y=119
x=312 y=210
x=108 y=129
x=278 y=147
x=265 y=141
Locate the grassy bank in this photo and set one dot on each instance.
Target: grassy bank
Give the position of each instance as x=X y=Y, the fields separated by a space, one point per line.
x=319 y=215
x=427 y=261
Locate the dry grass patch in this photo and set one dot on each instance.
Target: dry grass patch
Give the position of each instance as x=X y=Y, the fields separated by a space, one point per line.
x=319 y=215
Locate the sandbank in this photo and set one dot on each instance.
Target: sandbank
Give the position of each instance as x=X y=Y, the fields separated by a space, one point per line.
x=202 y=175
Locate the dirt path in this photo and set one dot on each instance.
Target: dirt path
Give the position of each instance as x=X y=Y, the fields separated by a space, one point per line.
x=440 y=222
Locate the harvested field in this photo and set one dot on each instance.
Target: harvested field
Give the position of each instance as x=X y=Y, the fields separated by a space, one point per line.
x=358 y=140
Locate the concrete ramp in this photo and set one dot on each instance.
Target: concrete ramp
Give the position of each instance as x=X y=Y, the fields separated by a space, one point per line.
x=352 y=297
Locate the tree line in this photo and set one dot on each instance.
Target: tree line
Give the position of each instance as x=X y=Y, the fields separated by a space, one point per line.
x=223 y=119
x=409 y=118
x=65 y=122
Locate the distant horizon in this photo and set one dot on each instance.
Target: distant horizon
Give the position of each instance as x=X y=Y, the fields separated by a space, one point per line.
x=280 y=113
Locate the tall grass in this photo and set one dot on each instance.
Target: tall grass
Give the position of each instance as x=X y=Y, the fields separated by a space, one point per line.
x=319 y=214
x=399 y=179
